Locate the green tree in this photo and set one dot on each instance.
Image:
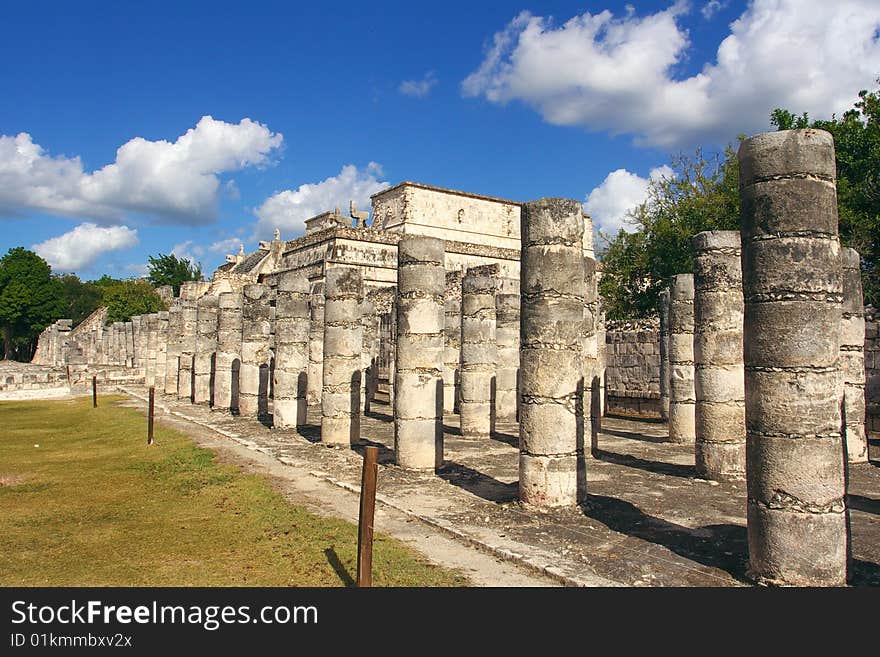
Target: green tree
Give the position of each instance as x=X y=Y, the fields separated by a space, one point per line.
x=857 y=149
x=171 y=270
x=701 y=194
x=80 y=299
x=127 y=298
x=30 y=300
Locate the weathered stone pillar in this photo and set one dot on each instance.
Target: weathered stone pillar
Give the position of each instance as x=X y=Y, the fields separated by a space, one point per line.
x=478 y=351
x=172 y=347
x=343 y=341
x=139 y=347
x=682 y=396
x=852 y=358
x=720 y=420
x=150 y=331
x=206 y=348
x=256 y=354
x=452 y=343
x=551 y=369
x=418 y=404
x=161 y=348
x=664 y=354
x=507 y=369
x=228 y=362
x=128 y=328
x=188 y=335
x=291 y=350
x=369 y=331
x=589 y=410
x=792 y=290
x=316 y=345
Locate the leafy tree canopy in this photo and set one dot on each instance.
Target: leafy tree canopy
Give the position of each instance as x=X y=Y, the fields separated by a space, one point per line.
x=171 y=270
x=127 y=298
x=79 y=299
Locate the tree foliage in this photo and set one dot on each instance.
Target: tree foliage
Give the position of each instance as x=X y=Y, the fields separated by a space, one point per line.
x=171 y=270
x=79 y=299
x=30 y=300
x=127 y=298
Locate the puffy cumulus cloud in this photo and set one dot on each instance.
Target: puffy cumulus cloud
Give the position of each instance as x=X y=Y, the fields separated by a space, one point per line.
x=616 y=73
x=79 y=248
x=620 y=192
x=186 y=251
x=711 y=8
x=419 y=88
x=170 y=181
x=287 y=210
x=226 y=246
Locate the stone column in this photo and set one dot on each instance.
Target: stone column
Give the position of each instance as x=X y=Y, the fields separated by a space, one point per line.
x=256 y=354
x=682 y=396
x=792 y=290
x=206 y=348
x=128 y=328
x=343 y=341
x=228 y=362
x=452 y=343
x=720 y=420
x=507 y=370
x=551 y=369
x=139 y=344
x=590 y=413
x=161 y=348
x=852 y=358
x=188 y=335
x=291 y=350
x=172 y=349
x=316 y=345
x=664 y=354
x=368 y=328
x=478 y=351
x=418 y=404
x=150 y=329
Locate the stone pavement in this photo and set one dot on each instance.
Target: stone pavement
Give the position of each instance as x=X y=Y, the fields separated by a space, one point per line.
x=648 y=521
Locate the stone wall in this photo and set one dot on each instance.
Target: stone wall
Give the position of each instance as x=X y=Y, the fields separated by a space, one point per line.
x=632 y=374
x=872 y=370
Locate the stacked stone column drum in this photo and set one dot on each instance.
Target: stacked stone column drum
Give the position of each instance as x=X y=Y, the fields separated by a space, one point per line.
x=204 y=360
x=852 y=358
x=316 y=345
x=507 y=369
x=291 y=351
x=172 y=349
x=343 y=342
x=188 y=334
x=418 y=402
x=150 y=326
x=720 y=449
x=256 y=329
x=229 y=339
x=553 y=295
x=478 y=351
x=370 y=331
x=452 y=330
x=682 y=395
x=664 y=355
x=792 y=290
x=591 y=388
x=161 y=348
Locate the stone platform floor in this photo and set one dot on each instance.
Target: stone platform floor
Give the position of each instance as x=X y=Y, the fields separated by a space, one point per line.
x=648 y=520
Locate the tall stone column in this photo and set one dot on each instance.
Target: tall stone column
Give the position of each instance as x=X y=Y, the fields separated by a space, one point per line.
x=664 y=354
x=478 y=351
x=316 y=345
x=418 y=402
x=551 y=368
x=720 y=429
x=150 y=329
x=452 y=343
x=172 y=349
x=128 y=327
x=852 y=358
x=291 y=350
x=139 y=345
x=161 y=348
x=369 y=331
x=591 y=389
x=228 y=362
x=256 y=353
x=343 y=341
x=206 y=348
x=682 y=395
x=507 y=370
x=792 y=290
x=189 y=315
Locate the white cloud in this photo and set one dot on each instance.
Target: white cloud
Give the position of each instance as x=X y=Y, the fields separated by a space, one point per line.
x=79 y=248
x=620 y=192
x=287 y=210
x=230 y=245
x=712 y=7
x=418 y=88
x=616 y=74
x=138 y=270
x=186 y=251
x=170 y=181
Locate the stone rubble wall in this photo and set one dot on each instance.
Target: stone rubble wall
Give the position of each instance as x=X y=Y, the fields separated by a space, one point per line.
x=632 y=370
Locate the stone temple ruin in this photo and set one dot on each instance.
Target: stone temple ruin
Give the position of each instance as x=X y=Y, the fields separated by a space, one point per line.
x=763 y=360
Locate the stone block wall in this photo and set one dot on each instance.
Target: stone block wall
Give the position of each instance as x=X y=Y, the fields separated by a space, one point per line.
x=872 y=370
x=632 y=374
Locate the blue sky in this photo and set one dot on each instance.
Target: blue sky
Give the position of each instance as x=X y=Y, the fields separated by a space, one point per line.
x=133 y=129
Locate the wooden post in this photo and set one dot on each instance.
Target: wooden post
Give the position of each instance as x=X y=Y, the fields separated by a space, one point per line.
x=365 y=520
x=68 y=374
x=94 y=392
x=150 y=415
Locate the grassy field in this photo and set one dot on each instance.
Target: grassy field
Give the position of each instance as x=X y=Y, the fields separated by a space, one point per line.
x=85 y=502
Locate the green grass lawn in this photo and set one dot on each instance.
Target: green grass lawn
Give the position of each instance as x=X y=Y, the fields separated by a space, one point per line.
x=85 y=502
